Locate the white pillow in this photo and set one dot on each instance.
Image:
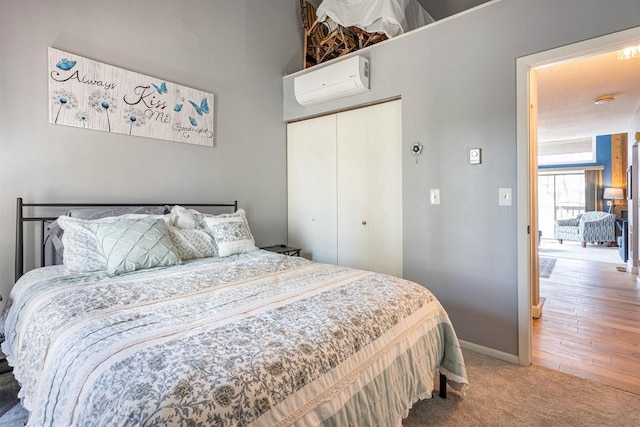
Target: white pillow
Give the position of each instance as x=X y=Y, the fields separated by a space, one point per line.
x=81 y=250
x=183 y=218
x=230 y=232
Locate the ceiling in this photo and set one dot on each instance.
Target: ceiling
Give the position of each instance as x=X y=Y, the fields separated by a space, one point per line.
x=567 y=91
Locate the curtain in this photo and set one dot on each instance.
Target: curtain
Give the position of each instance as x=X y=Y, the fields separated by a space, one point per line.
x=593 y=190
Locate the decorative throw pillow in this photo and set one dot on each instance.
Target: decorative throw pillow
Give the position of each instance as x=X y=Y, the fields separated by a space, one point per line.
x=230 y=232
x=56 y=232
x=192 y=244
x=183 y=218
x=79 y=240
x=81 y=248
x=136 y=244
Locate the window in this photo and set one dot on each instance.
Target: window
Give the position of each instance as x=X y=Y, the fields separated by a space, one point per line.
x=581 y=150
x=560 y=196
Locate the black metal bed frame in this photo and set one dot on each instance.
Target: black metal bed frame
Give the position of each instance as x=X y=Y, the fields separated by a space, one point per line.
x=43 y=220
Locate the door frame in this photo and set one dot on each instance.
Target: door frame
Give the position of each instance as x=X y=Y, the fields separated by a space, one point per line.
x=526 y=165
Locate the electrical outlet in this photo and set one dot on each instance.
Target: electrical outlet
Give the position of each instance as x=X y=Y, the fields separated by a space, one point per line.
x=434 y=196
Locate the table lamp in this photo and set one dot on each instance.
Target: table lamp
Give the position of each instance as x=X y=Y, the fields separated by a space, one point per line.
x=613 y=194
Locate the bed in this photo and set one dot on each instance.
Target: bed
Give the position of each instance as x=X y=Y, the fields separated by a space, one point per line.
x=246 y=337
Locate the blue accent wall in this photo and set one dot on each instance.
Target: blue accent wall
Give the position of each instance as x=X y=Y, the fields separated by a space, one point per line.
x=603 y=157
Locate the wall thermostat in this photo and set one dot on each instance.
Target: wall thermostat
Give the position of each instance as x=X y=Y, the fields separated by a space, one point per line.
x=475 y=156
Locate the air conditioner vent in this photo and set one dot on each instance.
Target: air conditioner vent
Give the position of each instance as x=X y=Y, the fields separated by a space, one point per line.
x=341 y=79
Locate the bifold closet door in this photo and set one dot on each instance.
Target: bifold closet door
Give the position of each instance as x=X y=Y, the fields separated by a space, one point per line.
x=369 y=152
x=311 y=186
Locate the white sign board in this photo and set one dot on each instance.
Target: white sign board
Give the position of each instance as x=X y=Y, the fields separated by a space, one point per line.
x=89 y=94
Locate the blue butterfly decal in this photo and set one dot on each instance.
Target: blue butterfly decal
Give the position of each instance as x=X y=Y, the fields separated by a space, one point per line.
x=162 y=89
x=193 y=121
x=65 y=64
x=202 y=108
x=177 y=108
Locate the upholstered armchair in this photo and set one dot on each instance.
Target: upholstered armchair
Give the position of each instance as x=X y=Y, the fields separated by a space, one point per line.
x=596 y=227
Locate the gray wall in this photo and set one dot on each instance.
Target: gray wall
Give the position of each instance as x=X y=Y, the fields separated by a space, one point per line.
x=440 y=9
x=237 y=50
x=457 y=80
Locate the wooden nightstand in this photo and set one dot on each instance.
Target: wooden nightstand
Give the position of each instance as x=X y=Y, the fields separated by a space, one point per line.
x=283 y=249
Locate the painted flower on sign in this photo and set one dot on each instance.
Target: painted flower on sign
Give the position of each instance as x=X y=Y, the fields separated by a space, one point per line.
x=64 y=99
x=103 y=102
x=134 y=117
x=82 y=117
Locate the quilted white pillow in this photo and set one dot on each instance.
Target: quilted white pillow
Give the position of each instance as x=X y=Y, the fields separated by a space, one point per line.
x=135 y=244
x=81 y=250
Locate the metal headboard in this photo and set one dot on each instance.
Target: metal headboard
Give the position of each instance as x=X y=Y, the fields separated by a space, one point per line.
x=43 y=220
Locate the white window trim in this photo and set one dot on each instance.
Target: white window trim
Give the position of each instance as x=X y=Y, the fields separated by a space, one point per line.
x=573 y=162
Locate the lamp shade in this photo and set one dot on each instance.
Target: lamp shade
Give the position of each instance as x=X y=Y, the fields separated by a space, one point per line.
x=613 y=193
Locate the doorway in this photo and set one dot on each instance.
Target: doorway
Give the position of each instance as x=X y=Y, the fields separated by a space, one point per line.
x=528 y=280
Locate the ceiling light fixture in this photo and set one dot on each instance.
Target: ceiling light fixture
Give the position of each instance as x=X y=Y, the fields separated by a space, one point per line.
x=629 y=52
x=604 y=99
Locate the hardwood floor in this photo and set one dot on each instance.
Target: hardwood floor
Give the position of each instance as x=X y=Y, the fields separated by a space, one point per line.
x=590 y=323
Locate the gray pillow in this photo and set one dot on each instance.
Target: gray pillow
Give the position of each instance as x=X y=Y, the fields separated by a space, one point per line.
x=97 y=213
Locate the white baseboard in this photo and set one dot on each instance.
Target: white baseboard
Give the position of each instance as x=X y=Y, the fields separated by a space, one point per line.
x=501 y=355
x=630 y=267
x=536 y=310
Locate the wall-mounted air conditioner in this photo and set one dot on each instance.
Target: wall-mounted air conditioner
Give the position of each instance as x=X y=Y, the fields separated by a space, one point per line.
x=344 y=78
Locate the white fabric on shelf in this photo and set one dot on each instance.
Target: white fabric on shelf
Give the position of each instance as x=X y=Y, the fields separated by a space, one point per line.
x=392 y=17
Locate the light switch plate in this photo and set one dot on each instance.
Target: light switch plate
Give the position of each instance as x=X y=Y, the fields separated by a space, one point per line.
x=434 y=196
x=504 y=195
x=475 y=156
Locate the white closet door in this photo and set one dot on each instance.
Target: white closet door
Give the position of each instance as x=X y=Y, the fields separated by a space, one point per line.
x=311 y=185
x=353 y=189
x=385 y=187
x=370 y=188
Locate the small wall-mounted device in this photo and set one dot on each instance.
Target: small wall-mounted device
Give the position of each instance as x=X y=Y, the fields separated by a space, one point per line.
x=416 y=150
x=475 y=156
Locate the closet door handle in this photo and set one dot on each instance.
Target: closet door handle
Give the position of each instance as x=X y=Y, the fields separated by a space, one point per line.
x=364 y=222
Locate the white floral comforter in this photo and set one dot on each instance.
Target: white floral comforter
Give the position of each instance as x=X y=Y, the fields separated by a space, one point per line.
x=256 y=339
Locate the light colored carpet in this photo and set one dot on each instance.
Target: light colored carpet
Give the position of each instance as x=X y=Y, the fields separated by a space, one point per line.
x=502 y=394
x=546 y=266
